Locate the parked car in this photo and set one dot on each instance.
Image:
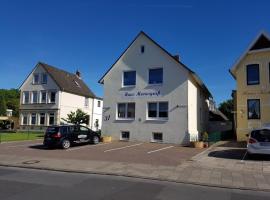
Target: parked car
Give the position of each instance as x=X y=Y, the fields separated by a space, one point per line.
x=259 y=141
x=65 y=136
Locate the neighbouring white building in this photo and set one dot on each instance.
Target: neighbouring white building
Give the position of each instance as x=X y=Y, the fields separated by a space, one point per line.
x=149 y=95
x=48 y=94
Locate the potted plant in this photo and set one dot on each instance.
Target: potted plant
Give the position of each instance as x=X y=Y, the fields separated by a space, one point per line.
x=205 y=140
x=106 y=138
x=197 y=143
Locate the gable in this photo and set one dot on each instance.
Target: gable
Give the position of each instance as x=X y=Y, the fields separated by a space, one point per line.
x=260 y=43
x=142 y=39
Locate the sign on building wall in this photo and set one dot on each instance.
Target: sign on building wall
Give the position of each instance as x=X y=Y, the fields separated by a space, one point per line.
x=141 y=93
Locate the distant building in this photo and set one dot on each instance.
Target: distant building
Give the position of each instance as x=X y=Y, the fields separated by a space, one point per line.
x=151 y=96
x=48 y=94
x=252 y=94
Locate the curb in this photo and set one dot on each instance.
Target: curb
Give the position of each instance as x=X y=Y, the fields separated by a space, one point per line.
x=135 y=176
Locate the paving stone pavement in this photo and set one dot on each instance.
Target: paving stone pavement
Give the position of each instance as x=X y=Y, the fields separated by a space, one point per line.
x=204 y=169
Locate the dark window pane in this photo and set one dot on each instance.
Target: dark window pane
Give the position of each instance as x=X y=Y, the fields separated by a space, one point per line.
x=125 y=135
x=253 y=74
x=253 y=108
x=51 y=119
x=131 y=110
x=142 y=49
x=163 y=109
x=52 y=97
x=261 y=135
x=42 y=119
x=121 y=110
x=152 y=109
x=129 y=78
x=155 y=76
x=157 y=136
x=33 y=119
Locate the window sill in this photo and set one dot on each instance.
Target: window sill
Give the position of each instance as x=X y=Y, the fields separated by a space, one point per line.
x=128 y=86
x=155 y=84
x=157 y=119
x=125 y=119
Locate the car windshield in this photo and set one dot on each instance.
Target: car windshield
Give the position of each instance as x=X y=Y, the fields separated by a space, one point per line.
x=52 y=130
x=261 y=135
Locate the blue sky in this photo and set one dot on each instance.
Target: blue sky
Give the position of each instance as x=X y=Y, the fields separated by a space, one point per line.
x=90 y=35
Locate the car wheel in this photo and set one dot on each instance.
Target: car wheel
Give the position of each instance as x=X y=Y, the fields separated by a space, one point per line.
x=65 y=144
x=95 y=140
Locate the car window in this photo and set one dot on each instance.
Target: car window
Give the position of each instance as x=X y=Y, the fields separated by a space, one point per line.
x=52 y=130
x=71 y=129
x=84 y=129
x=261 y=135
x=64 y=130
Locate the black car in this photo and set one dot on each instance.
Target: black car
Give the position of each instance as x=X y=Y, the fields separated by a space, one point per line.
x=66 y=135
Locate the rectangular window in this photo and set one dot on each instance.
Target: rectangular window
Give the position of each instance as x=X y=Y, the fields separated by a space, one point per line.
x=26 y=97
x=44 y=78
x=42 y=119
x=158 y=110
x=157 y=137
x=253 y=107
x=253 y=74
x=51 y=119
x=126 y=110
x=124 y=135
x=156 y=76
x=86 y=102
x=35 y=78
x=33 y=118
x=129 y=78
x=43 y=97
x=98 y=104
x=34 y=97
x=52 y=97
x=24 y=119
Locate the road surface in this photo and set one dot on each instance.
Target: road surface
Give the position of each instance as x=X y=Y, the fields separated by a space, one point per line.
x=26 y=184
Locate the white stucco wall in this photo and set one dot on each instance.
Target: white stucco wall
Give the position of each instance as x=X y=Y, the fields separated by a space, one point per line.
x=71 y=102
x=174 y=90
x=97 y=113
x=193 y=108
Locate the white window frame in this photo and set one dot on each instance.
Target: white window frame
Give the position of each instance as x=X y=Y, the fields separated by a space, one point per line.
x=153 y=84
x=121 y=135
x=32 y=97
x=32 y=118
x=40 y=96
x=33 y=81
x=22 y=120
x=49 y=96
x=86 y=102
x=124 y=86
x=29 y=99
x=49 y=115
x=154 y=140
x=40 y=118
x=126 y=111
x=156 y=118
x=42 y=78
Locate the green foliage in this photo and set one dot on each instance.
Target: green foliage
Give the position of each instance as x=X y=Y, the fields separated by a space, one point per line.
x=226 y=107
x=3 y=106
x=205 y=137
x=78 y=117
x=11 y=100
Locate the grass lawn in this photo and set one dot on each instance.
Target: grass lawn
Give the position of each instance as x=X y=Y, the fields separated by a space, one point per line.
x=5 y=137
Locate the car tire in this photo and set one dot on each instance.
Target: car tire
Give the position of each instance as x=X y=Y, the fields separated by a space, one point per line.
x=95 y=140
x=65 y=144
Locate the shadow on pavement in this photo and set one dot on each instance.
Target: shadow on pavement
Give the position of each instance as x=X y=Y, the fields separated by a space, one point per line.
x=236 y=154
x=234 y=144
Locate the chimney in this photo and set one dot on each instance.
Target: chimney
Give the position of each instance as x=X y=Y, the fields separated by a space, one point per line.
x=78 y=74
x=177 y=57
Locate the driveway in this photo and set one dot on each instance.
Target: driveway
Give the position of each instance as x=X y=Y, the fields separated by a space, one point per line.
x=118 y=151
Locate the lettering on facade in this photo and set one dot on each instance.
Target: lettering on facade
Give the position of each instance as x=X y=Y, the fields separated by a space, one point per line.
x=143 y=94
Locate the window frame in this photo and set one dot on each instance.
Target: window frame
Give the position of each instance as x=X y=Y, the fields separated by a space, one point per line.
x=126 y=111
x=32 y=97
x=34 y=114
x=50 y=95
x=24 y=116
x=259 y=117
x=98 y=103
x=123 y=78
x=247 y=73
x=42 y=115
x=155 y=68
x=156 y=140
x=29 y=99
x=42 y=78
x=34 y=77
x=42 y=92
x=124 y=138
x=157 y=111
x=86 y=102
x=49 y=116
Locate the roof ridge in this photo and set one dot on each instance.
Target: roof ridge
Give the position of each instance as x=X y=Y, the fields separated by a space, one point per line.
x=57 y=68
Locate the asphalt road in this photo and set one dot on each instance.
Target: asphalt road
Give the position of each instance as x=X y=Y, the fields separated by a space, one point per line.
x=25 y=184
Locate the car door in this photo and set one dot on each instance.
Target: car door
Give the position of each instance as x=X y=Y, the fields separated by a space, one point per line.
x=83 y=135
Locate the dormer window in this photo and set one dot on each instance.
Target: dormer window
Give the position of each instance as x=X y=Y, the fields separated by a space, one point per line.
x=35 y=78
x=44 y=78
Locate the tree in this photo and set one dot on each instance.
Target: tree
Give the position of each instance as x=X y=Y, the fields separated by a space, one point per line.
x=3 y=107
x=226 y=107
x=78 y=117
x=12 y=99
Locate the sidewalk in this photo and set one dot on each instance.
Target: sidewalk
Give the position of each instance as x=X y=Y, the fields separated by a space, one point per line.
x=201 y=169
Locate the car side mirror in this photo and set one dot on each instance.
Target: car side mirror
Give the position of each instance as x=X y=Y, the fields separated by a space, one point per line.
x=247 y=135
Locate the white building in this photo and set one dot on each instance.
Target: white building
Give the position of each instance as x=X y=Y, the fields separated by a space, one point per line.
x=48 y=94
x=149 y=95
